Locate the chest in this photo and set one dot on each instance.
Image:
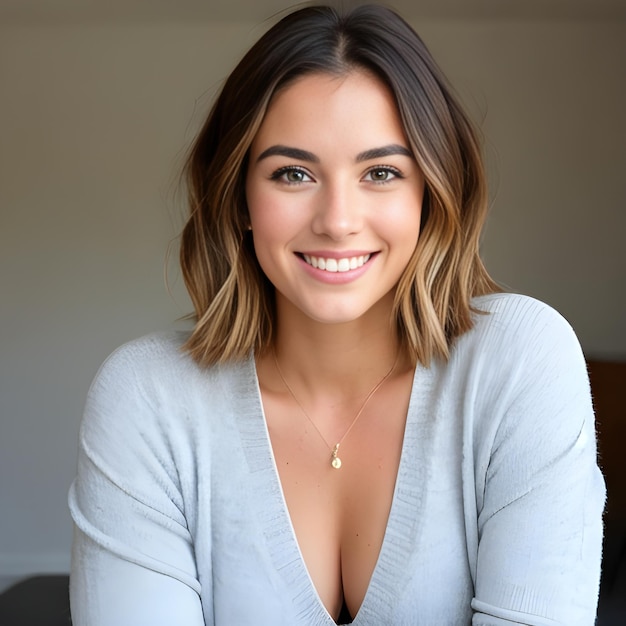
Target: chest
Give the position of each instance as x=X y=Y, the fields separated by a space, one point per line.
x=289 y=547
x=339 y=515
x=284 y=547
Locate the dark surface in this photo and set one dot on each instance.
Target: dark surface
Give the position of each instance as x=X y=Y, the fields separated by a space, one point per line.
x=612 y=607
x=608 y=387
x=36 y=601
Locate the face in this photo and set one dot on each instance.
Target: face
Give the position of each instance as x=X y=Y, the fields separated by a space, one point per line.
x=334 y=196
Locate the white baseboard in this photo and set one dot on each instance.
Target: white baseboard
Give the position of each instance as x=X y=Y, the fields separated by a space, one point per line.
x=16 y=565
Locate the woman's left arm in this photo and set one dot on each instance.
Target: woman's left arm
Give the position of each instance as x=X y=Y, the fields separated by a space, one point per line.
x=541 y=502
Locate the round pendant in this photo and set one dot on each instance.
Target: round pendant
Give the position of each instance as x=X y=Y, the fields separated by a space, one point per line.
x=336 y=462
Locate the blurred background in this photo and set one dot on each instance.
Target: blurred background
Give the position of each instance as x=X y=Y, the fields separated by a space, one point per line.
x=99 y=101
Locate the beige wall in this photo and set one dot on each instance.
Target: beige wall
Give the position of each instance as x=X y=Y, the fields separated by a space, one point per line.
x=93 y=121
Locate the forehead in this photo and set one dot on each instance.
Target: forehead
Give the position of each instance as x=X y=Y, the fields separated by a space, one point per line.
x=315 y=106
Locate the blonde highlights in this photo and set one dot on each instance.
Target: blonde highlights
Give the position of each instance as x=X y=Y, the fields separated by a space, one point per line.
x=229 y=292
x=433 y=298
x=232 y=298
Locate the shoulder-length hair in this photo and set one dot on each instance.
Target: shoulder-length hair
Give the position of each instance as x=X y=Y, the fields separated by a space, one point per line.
x=233 y=300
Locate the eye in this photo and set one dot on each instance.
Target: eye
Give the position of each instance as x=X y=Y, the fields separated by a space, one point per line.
x=382 y=174
x=291 y=175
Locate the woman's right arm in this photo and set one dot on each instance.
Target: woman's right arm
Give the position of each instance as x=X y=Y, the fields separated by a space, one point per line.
x=132 y=558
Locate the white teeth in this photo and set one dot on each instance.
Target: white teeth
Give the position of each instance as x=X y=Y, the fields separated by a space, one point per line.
x=337 y=265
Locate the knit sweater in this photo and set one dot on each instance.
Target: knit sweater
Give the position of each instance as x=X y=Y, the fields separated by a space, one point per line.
x=496 y=515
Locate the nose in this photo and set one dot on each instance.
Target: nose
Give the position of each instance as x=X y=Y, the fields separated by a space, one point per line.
x=338 y=213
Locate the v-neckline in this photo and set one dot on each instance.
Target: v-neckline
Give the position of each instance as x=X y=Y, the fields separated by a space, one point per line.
x=403 y=525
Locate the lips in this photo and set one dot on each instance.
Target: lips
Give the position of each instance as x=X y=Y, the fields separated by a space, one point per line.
x=331 y=264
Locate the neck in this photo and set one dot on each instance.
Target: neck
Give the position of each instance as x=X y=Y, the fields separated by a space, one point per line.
x=342 y=359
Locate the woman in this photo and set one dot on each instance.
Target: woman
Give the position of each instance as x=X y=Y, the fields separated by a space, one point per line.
x=360 y=428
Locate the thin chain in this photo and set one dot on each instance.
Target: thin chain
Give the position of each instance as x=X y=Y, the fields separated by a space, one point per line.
x=335 y=460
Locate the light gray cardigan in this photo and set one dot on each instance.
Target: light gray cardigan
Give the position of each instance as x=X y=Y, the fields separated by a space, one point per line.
x=496 y=516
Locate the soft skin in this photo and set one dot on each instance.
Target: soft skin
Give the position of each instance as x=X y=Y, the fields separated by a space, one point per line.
x=333 y=195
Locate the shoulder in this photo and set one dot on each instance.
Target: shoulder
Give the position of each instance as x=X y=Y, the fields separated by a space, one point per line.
x=518 y=347
x=515 y=324
x=151 y=405
x=153 y=379
x=150 y=353
x=521 y=381
x=523 y=371
x=506 y=311
x=158 y=361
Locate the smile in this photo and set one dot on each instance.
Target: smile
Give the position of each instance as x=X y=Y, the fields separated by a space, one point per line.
x=336 y=265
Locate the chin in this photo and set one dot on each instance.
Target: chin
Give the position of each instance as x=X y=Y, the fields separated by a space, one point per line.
x=345 y=316
x=324 y=309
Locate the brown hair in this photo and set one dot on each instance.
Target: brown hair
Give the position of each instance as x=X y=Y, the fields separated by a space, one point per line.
x=233 y=300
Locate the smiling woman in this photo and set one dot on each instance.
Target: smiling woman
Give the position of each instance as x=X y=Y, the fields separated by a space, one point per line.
x=348 y=191
x=360 y=428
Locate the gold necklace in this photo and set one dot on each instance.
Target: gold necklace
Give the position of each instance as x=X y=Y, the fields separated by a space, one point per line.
x=335 y=461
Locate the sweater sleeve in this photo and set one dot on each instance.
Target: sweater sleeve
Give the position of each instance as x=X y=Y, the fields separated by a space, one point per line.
x=541 y=494
x=132 y=556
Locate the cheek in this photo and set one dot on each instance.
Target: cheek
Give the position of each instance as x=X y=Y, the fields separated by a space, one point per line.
x=261 y=211
x=276 y=218
x=263 y=252
x=401 y=224
x=271 y=230
x=255 y=202
x=266 y=207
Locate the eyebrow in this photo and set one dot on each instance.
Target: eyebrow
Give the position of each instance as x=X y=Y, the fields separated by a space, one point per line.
x=286 y=151
x=304 y=155
x=383 y=151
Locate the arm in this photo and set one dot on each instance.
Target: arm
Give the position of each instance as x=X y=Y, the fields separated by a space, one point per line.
x=132 y=557
x=540 y=506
